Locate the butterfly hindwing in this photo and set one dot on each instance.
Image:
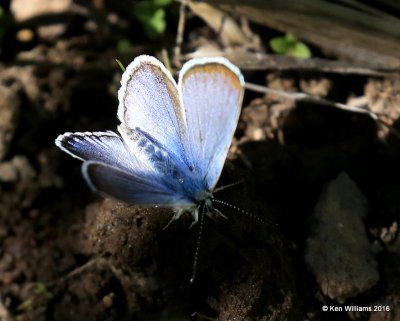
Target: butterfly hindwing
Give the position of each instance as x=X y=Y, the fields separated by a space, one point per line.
x=137 y=188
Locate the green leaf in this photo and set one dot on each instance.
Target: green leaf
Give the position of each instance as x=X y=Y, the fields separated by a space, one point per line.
x=290 y=38
x=151 y=14
x=157 y=21
x=124 y=46
x=162 y=3
x=300 y=50
x=42 y=289
x=290 y=45
x=144 y=10
x=25 y=305
x=279 y=45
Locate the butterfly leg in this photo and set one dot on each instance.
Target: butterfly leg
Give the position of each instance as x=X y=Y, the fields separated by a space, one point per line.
x=176 y=216
x=220 y=213
x=213 y=213
x=195 y=215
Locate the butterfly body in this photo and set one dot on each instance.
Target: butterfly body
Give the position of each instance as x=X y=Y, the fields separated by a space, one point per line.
x=180 y=177
x=173 y=139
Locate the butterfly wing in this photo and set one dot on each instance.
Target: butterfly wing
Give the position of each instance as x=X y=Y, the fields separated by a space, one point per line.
x=110 y=168
x=137 y=188
x=211 y=90
x=106 y=147
x=149 y=100
x=160 y=138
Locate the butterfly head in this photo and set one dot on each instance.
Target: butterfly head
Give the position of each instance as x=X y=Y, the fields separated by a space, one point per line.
x=204 y=205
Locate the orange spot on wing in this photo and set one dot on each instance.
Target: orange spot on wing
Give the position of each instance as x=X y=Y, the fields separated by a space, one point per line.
x=216 y=69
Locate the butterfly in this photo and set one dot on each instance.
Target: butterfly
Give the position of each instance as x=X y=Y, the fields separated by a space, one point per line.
x=173 y=138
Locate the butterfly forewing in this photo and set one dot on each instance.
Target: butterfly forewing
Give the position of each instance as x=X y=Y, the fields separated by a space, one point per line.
x=149 y=100
x=212 y=92
x=106 y=147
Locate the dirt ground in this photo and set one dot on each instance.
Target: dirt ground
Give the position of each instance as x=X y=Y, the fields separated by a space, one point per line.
x=66 y=254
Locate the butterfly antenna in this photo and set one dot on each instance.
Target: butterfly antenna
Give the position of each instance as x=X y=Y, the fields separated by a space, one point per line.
x=221 y=188
x=196 y=253
x=246 y=213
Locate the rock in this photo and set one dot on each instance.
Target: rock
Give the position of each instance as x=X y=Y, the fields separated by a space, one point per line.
x=8 y=173
x=18 y=169
x=26 y=9
x=52 y=32
x=4 y=313
x=338 y=252
x=9 y=115
x=125 y=232
x=24 y=168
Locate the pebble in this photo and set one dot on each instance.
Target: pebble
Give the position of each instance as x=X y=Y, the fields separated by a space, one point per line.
x=9 y=116
x=338 y=251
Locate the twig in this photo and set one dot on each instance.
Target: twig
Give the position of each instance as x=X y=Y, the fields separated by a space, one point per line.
x=305 y=97
x=318 y=100
x=179 y=35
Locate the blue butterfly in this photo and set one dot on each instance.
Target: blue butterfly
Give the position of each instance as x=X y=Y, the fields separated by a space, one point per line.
x=173 y=138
